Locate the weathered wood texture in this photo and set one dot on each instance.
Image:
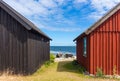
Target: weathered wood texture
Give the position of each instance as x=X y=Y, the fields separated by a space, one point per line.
x=84 y=61
x=21 y=51
x=103 y=47
x=38 y=51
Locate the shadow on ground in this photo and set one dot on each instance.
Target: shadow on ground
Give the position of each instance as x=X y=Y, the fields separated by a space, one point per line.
x=61 y=66
x=67 y=66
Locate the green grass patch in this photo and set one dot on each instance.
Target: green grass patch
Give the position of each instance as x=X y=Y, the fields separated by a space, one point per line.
x=52 y=58
x=75 y=67
x=51 y=61
x=58 y=71
x=46 y=65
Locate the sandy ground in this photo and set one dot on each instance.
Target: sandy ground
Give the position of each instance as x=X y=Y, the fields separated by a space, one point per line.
x=65 y=59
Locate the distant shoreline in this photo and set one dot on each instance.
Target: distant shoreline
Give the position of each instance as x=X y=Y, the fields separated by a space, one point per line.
x=57 y=52
x=63 y=50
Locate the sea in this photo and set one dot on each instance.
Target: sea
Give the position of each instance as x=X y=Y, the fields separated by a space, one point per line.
x=63 y=49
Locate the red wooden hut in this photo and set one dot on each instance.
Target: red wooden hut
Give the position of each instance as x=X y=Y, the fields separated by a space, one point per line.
x=99 y=45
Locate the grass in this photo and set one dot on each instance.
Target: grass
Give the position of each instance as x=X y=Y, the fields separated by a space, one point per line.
x=73 y=67
x=61 y=71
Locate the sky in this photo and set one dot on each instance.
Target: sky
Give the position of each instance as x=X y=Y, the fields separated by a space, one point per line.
x=62 y=20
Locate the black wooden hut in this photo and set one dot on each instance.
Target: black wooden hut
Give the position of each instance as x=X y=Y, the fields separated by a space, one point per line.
x=23 y=47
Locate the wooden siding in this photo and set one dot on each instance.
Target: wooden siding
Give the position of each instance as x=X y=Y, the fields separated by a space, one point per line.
x=105 y=46
x=38 y=51
x=13 y=46
x=21 y=50
x=84 y=61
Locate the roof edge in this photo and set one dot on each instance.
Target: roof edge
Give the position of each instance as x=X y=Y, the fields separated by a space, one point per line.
x=100 y=21
x=103 y=18
x=82 y=34
x=21 y=19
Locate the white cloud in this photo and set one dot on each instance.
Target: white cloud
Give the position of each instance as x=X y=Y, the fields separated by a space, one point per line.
x=101 y=7
x=103 y=4
x=28 y=8
x=35 y=10
x=56 y=28
x=80 y=1
x=48 y=3
x=65 y=29
x=60 y=2
x=52 y=10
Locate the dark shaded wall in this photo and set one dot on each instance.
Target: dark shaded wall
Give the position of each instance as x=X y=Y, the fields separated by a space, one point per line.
x=84 y=61
x=13 y=45
x=21 y=50
x=38 y=50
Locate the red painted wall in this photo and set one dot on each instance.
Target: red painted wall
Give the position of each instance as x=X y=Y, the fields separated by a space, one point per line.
x=103 y=47
x=84 y=61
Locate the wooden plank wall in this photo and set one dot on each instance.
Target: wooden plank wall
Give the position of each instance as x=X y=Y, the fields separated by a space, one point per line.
x=84 y=61
x=13 y=45
x=21 y=50
x=38 y=51
x=105 y=46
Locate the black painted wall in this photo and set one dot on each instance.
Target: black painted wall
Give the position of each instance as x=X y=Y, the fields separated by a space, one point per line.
x=21 y=50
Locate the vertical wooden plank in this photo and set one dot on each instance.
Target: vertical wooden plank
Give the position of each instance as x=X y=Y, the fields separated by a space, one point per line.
x=117 y=52
x=25 y=68
x=0 y=37
x=18 y=47
x=110 y=24
x=107 y=53
x=28 y=47
x=0 y=42
x=99 y=52
x=1 y=47
x=114 y=22
x=119 y=56
x=91 y=54
x=21 y=48
x=104 y=52
x=3 y=38
x=114 y=50
x=110 y=58
x=15 y=46
x=118 y=20
x=95 y=52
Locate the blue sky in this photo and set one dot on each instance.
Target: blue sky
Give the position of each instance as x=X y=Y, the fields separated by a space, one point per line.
x=62 y=20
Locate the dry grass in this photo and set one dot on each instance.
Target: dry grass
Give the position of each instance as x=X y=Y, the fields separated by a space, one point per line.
x=55 y=72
